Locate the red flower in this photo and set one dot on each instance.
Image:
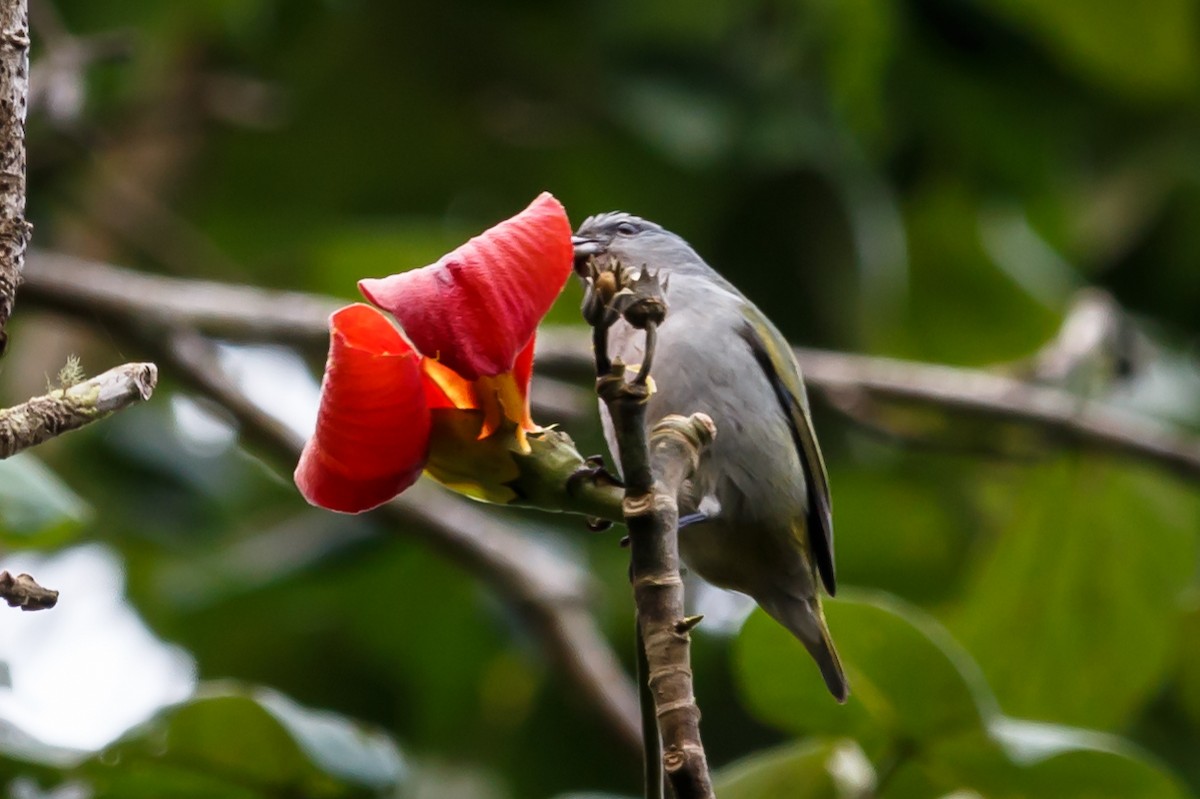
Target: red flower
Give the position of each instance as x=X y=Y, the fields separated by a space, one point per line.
x=471 y=318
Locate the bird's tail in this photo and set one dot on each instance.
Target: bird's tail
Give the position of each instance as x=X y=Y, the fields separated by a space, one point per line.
x=804 y=618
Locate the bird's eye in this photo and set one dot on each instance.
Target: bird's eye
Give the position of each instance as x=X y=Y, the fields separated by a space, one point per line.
x=627 y=229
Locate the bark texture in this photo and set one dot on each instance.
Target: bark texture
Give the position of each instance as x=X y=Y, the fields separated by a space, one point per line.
x=14 y=91
x=655 y=470
x=24 y=592
x=70 y=408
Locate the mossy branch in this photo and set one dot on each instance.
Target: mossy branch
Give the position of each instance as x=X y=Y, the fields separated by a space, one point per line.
x=72 y=407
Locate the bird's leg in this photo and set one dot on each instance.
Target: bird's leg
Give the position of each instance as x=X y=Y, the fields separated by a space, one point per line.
x=708 y=509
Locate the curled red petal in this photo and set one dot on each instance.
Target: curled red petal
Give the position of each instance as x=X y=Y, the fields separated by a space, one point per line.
x=476 y=309
x=372 y=436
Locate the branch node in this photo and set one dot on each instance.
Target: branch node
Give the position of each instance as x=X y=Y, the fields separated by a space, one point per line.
x=640 y=505
x=659 y=580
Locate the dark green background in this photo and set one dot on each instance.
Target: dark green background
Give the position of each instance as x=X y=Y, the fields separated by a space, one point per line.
x=930 y=179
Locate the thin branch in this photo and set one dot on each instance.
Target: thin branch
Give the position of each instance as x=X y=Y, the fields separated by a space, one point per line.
x=24 y=592
x=655 y=470
x=82 y=288
x=849 y=380
x=981 y=395
x=70 y=408
x=14 y=94
x=241 y=312
x=547 y=591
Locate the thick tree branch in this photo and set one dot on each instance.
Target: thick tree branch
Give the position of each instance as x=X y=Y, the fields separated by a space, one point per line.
x=70 y=408
x=14 y=94
x=241 y=312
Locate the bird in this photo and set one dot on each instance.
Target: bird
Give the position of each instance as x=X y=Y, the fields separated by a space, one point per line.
x=756 y=516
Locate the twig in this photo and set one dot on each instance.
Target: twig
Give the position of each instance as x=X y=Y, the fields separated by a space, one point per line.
x=545 y=590
x=14 y=94
x=70 y=408
x=246 y=313
x=24 y=592
x=654 y=473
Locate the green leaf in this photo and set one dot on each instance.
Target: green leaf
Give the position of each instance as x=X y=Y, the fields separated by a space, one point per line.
x=908 y=679
x=1073 y=613
x=335 y=744
x=811 y=769
x=255 y=739
x=37 y=509
x=1027 y=760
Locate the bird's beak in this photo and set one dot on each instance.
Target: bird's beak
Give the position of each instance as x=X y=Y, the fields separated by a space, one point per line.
x=584 y=248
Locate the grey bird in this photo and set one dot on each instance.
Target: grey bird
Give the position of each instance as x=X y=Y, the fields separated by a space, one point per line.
x=757 y=516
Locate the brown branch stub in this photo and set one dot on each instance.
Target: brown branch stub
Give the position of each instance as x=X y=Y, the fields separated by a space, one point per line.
x=24 y=592
x=14 y=93
x=72 y=407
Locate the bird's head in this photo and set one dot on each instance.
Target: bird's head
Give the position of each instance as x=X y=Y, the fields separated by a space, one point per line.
x=633 y=241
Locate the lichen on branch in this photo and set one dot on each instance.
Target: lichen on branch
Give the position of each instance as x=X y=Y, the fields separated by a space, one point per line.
x=71 y=407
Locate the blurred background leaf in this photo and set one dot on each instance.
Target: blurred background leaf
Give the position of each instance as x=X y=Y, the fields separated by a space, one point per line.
x=37 y=509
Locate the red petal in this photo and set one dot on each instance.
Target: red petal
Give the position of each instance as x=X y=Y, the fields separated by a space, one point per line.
x=372 y=434
x=477 y=307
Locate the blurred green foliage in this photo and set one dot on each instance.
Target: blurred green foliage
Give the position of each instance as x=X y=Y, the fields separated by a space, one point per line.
x=932 y=179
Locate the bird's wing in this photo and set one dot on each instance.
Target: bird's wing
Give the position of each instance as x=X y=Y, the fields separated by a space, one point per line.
x=779 y=365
